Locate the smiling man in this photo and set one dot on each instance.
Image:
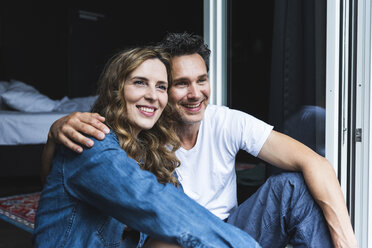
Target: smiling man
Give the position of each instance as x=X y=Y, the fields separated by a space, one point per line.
x=302 y=207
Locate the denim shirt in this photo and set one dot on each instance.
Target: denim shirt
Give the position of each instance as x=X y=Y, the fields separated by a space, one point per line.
x=102 y=198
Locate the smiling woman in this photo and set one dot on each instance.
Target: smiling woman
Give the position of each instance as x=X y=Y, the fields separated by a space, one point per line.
x=134 y=82
x=132 y=97
x=145 y=94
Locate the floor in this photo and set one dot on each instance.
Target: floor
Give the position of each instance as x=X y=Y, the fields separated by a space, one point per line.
x=10 y=235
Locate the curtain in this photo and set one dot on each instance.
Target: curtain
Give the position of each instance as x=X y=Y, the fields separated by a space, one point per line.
x=298 y=65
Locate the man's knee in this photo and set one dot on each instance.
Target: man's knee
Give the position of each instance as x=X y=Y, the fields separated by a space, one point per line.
x=293 y=179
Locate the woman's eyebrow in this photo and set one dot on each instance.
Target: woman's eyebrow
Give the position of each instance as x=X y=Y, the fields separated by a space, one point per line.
x=163 y=82
x=139 y=77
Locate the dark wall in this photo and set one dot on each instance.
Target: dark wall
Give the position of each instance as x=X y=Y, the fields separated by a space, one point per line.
x=53 y=48
x=250 y=46
x=33 y=45
x=249 y=65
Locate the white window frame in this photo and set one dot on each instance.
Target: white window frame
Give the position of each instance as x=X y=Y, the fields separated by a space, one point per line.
x=332 y=79
x=363 y=175
x=337 y=65
x=215 y=36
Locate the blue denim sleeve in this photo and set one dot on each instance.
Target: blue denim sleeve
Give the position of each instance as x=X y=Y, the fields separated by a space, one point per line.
x=106 y=178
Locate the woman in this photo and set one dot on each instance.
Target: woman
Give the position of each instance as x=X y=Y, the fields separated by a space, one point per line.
x=132 y=97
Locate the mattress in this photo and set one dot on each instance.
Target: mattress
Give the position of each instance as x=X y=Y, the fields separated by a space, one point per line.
x=22 y=128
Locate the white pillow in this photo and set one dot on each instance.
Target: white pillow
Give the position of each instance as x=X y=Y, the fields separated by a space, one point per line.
x=81 y=104
x=3 y=87
x=24 y=97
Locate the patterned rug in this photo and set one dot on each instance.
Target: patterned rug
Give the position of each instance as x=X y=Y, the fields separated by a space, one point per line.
x=20 y=210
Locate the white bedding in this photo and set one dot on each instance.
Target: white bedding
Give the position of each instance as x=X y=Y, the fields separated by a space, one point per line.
x=22 y=128
x=32 y=113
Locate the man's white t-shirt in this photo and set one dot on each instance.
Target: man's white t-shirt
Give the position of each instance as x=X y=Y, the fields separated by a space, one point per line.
x=207 y=171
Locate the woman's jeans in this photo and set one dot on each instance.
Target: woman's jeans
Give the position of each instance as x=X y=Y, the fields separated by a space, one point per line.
x=282 y=212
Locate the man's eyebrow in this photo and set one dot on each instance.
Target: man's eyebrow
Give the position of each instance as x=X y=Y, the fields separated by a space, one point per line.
x=187 y=79
x=180 y=79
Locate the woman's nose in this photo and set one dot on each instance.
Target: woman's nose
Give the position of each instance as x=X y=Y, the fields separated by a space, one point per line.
x=151 y=93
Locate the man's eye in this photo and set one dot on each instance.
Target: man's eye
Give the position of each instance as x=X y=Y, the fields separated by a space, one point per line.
x=202 y=80
x=180 y=83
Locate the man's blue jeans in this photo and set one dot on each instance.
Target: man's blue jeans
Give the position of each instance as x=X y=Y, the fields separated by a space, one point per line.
x=282 y=212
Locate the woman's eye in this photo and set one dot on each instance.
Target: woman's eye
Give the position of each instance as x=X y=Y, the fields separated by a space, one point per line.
x=163 y=87
x=139 y=82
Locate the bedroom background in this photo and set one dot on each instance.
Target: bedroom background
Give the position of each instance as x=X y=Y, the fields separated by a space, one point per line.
x=51 y=54
x=55 y=51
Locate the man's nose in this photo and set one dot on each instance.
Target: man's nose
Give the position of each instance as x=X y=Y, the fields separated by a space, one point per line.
x=193 y=91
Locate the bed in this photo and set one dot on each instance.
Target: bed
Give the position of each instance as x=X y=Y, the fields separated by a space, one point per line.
x=25 y=118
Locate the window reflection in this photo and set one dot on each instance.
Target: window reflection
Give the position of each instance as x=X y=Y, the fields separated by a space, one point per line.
x=276 y=70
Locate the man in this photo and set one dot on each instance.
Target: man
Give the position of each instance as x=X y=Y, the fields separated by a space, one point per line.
x=283 y=210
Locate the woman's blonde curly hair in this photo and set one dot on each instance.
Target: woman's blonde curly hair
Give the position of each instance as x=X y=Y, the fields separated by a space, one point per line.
x=154 y=149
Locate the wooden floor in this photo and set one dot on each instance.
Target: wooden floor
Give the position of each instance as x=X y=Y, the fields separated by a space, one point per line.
x=10 y=235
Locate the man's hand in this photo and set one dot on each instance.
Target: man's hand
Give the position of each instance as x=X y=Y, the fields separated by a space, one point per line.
x=68 y=130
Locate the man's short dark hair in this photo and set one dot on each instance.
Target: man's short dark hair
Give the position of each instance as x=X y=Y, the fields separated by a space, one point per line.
x=178 y=44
